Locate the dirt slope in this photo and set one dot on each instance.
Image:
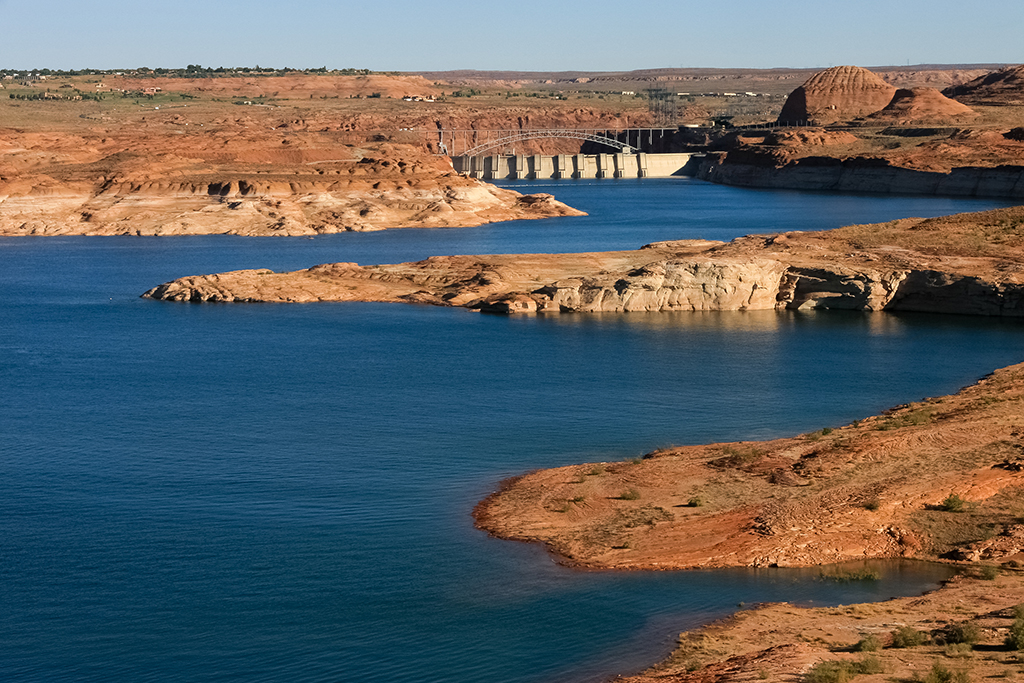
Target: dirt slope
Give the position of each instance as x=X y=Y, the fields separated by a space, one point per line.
x=916 y=105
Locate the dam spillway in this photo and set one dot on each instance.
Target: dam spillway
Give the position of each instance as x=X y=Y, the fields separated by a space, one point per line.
x=579 y=166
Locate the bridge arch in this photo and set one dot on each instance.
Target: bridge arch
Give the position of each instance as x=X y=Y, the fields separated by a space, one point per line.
x=526 y=135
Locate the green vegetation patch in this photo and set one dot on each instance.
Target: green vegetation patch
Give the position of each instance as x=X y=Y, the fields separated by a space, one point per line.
x=840 y=670
x=849 y=576
x=908 y=636
x=737 y=456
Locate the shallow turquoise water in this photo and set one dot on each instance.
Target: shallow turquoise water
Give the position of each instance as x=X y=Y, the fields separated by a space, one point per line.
x=283 y=492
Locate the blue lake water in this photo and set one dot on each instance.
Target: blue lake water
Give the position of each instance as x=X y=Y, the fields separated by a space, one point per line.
x=283 y=492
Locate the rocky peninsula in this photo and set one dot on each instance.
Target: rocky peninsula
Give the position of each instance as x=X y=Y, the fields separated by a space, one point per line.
x=967 y=263
x=938 y=479
x=214 y=183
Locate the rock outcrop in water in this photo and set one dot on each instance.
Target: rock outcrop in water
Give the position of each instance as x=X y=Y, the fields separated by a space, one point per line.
x=967 y=264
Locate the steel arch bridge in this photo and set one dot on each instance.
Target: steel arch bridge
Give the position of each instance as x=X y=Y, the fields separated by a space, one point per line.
x=526 y=135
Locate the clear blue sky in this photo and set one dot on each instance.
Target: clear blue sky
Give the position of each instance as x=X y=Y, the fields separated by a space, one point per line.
x=531 y=35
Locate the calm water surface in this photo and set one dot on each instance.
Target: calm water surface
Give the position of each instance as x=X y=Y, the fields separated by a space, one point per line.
x=283 y=492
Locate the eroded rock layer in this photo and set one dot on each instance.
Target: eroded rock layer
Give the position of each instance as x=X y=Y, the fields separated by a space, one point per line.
x=357 y=190
x=1005 y=86
x=967 y=264
x=912 y=105
x=840 y=93
x=819 y=498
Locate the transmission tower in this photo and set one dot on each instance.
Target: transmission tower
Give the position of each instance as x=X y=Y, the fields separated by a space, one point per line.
x=662 y=105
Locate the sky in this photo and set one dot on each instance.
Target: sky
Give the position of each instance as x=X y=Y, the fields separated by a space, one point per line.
x=530 y=35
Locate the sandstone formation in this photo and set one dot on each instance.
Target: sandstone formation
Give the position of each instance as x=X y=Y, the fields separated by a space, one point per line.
x=924 y=174
x=263 y=206
x=840 y=93
x=854 y=492
x=1002 y=87
x=294 y=183
x=939 y=478
x=968 y=264
x=915 y=105
x=810 y=137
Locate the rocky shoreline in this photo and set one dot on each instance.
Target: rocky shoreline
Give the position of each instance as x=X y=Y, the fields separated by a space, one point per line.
x=864 y=175
x=363 y=192
x=937 y=479
x=871 y=489
x=785 y=642
x=964 y=264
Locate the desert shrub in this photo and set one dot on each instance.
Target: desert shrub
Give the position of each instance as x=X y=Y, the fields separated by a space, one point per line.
x=940 y=674
x=630 y=494
x=908 y=636
x=988 y=572
x=695 y=502
x=964 y=632
x=737 y=456
x=872 y=504
x=840 y=671
x=869 y=665
x=959 y=650
x=1015 y=639
x=830 y=672
x=869 y=643
x=953 y=503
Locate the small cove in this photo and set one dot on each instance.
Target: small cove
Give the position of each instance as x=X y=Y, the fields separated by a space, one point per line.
x=283 y=492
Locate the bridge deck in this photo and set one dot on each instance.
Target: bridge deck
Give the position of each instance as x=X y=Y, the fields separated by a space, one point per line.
x=470 y=142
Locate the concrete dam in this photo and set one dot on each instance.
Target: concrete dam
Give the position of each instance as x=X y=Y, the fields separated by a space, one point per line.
x=560 y=166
